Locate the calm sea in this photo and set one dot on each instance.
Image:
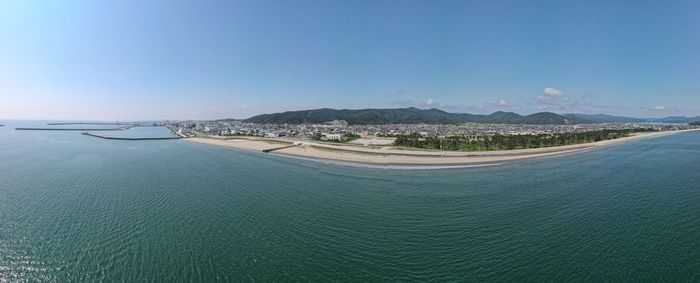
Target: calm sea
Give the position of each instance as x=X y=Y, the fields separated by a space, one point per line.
x=77 y=208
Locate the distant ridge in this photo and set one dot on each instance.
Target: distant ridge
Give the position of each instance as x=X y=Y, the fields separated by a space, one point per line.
x=414 y=115
x=677 y=119
x=404 y=116
x=602 y=118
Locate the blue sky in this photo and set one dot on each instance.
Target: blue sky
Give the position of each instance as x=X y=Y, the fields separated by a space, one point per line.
x=160 y=59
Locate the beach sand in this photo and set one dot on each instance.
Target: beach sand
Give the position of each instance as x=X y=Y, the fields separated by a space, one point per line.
x=389 y=155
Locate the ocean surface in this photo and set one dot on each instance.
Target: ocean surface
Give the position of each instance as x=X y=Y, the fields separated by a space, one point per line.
x=138 y=132
x=78 y=208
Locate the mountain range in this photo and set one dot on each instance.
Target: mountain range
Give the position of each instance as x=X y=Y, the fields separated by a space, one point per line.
x=436 y=116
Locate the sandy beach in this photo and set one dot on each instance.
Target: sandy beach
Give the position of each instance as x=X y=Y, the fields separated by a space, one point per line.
x=389 y=155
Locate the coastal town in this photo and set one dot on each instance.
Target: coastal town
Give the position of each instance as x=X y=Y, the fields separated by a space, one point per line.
x=335 y=130
x=423 y=144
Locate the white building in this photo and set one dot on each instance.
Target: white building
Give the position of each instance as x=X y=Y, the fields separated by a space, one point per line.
x=336 y=137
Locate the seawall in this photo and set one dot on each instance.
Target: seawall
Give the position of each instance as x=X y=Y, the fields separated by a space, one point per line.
x=131 y=139
x=72 y=129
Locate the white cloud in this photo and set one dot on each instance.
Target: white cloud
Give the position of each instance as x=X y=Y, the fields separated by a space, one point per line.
x=502 y=103
x=552 y=95
x=429 y=101
x=659 y=107
x=553 y=92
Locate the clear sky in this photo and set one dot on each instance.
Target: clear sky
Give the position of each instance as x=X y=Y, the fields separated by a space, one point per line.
x=169 y=59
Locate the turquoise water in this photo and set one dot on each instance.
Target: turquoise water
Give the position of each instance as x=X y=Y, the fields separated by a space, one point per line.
x=70 y=126
x=138 y=132
x=86 y=209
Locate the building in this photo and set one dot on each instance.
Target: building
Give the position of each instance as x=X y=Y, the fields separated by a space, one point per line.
x=338 y=123
x=335 y=137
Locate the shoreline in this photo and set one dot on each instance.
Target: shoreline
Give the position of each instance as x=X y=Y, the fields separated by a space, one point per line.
x=389 y=156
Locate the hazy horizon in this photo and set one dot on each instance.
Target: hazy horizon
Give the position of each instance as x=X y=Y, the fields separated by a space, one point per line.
x=243 y=118
x=128 y=60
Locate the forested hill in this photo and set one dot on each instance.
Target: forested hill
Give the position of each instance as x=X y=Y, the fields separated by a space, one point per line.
x=405 y=116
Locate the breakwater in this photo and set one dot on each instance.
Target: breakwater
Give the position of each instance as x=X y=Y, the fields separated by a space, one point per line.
x=131 y=139
x=175 y=131
x=74 y=129
x=278 y=148
x=87 y=123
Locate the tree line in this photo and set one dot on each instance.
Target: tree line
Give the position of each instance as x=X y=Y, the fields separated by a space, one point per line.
x=509 y=142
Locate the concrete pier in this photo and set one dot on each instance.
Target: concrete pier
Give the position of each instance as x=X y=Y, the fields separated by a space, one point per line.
x=73 y=129
x=87 y=123
x=174 y=131
x=131 y=139
x=278 y=148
